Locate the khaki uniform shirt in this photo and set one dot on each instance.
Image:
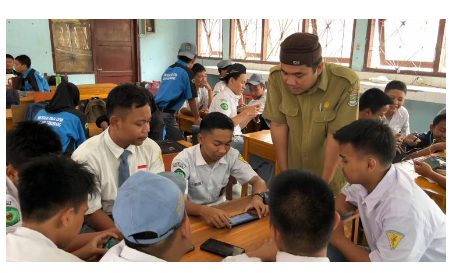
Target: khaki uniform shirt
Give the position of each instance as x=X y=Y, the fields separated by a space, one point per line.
x=331 y=104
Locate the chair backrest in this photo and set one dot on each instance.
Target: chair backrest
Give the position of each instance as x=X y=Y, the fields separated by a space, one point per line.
x=42 y=96
x=18 y=113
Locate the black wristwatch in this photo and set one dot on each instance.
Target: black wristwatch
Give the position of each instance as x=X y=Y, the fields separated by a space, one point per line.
x=262 y=195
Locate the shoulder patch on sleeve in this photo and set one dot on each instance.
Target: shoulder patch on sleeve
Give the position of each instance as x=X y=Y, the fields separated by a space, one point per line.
x=394 y=238
x=180 y=172
x=224 y=106
x=12 y=216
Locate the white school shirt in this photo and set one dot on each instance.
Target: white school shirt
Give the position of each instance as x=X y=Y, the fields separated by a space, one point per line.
x=400 y=221
x=103 y=158
x=27 y=245
x=13 y=208
x=399 y=121
x=202 y=99
x=219 y=86
x=281 y=257
x=122 y=253
x=261 y=100
x=226 y=102
x=206 y=185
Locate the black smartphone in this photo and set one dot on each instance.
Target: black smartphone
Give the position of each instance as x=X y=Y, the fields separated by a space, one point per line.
x=191 y=248
x=111 y=243
x=243 y=218
x=221 y=248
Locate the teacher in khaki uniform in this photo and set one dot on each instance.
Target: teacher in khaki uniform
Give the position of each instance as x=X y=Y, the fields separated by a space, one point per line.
x=307 y=102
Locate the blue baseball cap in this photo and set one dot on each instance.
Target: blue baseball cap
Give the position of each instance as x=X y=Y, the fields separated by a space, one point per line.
x=149 y=202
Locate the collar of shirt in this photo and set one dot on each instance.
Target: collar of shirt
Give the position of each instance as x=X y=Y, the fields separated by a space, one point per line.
x=11 y=189
x=182 y=63
x=286 y=257
x=131 y=254
x=374 y=197
x=231 y=94
x=27 y=73
x=34 y=235
x=200 y=161
x=322 y=82
x=114 y=148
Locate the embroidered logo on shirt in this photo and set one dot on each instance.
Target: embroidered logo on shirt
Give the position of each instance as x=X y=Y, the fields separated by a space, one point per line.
x=141 y=167
x=224 y=106
x=178 y=165
x=395 y=238
x=195 y=184
x=180 y=172
x=8 y=203
x=12 y=216
x=242 y=159
x=353 y=99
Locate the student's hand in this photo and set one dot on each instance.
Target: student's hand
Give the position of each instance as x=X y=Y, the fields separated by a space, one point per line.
x=241 y=107
x=215 y=217
x=197 y=121
x=438 y=147
x=93 y=250
x=399 y=138
x=267 y=252
x=422 y=168
x=338 y=233
x=412 y=139
x=252 y=110
x=257 y=204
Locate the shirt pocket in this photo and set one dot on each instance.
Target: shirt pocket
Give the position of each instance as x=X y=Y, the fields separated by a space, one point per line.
x=291 y=114
x=321 y=120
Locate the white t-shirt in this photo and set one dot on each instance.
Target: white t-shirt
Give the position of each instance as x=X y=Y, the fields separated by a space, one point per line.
x=103 y=158
x=226 y=102
x=401 y=222
x=202 y=99
x=281 y=257
x=27 y=245
x=13 y=208
x=123 y=253
x=261 y=100
x=399 y=122
x=219 y=86
x=206 y=184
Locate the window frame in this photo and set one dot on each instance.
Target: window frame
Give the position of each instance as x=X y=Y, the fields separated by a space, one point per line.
x=199 y=45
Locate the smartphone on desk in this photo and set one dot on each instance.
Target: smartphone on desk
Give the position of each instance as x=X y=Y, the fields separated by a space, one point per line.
x=243 y=218
x=433 y=162
x=221 y=248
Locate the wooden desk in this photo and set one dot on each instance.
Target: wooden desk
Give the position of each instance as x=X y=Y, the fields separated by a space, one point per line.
x=436 y=192
x=168 y=158
x=9 y=120
x=185 y=122
x=260 y=144
x=249 y=236
x=88 y=91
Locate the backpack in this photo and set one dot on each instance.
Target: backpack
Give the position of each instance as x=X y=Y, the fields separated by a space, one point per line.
x=95 y=108
x=34 y=108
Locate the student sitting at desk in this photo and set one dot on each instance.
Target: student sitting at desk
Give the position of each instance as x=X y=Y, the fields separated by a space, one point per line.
x=60 y=114
x=437 y=134
x=31 y=80
x=150 y=213
x=302 y=218
x=10 y=65
x=204 y=92
x=373 y=104
x=207 y=167
x=53 y=192
x=118 y=152
x=401 y=222
x=258 y=92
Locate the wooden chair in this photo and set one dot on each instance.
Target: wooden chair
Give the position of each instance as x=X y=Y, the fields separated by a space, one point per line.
x=351 y=227
x=18 y=113
x=232 y=182
x=42 y=96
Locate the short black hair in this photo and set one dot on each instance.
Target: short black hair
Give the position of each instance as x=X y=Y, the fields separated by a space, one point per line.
x=8 y=56
x=229 y=76
x=374 y=99
x=438 y=119
x=184 y=59
x=316 y=64
x=125 y=96
x=369 y=137
x=197 y=68
x=396 y=85
x=51 y=183
x=30 y=139
x=302 y=209
x=25 y=60
x=216 y=120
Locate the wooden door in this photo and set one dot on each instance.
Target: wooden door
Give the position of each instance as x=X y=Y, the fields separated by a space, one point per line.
x=115 y=51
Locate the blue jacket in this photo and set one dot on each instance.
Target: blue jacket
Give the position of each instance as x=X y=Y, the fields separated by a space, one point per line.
x=33 y=81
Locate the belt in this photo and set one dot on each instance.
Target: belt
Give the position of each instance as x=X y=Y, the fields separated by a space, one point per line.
x=165 y=110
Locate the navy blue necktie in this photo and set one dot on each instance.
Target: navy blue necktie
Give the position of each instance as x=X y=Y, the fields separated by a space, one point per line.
x=124 y=167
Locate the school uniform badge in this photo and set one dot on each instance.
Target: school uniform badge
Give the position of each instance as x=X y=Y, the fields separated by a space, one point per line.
x=180 y=172
x=224 y=106
x=394 y=238
x=353 y=99
x=242 y=159
x=12 y=216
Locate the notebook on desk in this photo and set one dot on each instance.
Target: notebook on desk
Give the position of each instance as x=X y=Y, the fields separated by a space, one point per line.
x=170 y=147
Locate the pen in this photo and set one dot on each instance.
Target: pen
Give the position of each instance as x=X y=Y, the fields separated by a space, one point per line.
x=321 y=107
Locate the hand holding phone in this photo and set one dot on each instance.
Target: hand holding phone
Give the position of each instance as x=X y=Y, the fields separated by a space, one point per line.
x=111 y=243
x=243 y=218
x=221 y=248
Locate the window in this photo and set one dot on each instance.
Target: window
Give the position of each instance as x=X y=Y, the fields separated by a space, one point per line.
x=278 y=30
x=246 y=39
x=209 y=38
x=406 y=45
x=72 y=46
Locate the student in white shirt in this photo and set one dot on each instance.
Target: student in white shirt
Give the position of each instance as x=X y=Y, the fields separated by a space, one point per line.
x=53 y=193
x=258 y=92
x=400 y=221
x=150 y=213
x=126 y=137
x=207 y=167
x=302 y=219
x=222 y=70
x=226 y=102
x=204 y=92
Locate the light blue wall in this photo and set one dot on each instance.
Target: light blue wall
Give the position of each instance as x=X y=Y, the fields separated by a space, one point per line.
x=359 y=46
